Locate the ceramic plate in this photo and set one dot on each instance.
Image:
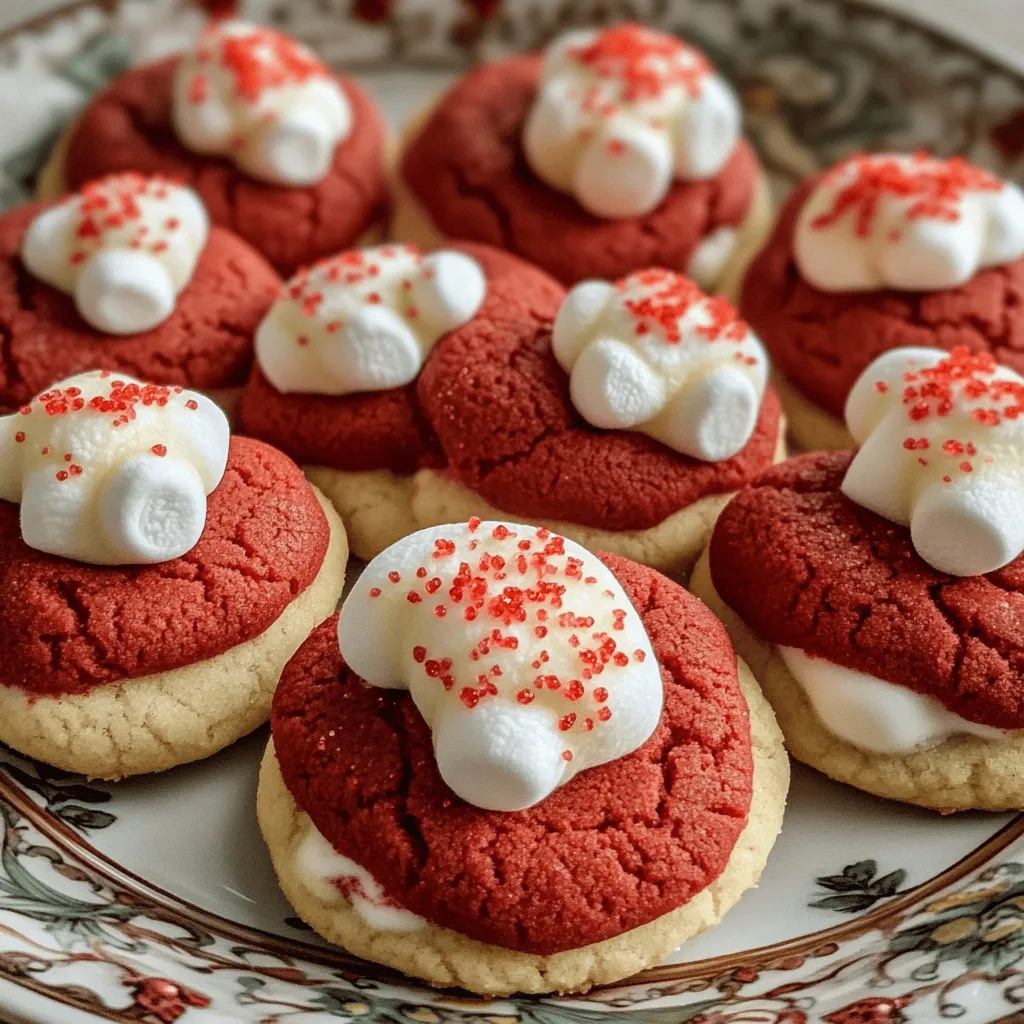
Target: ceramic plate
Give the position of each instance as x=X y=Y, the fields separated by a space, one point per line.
x=154 y=900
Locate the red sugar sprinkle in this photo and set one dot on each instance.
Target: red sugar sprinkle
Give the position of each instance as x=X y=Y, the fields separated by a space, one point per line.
x=645 y=62
x=671 y=297
x=604 y=714
x=573 y=690
x=74 y=470
x=421 y=572
x=616 y=147
x=61 y=475
x=962 y=376
x=419 y=654
x=966 y=467
x=413 y=598
x=375 y=591
x=433 y=585
x=19 y=436
x=934 y=187
x=192 y=404
x=394 y=576
x=469 y=697
x=260 y=59
x=566 y=722
x=440 y=611
x=525 y=696
x=566 y=755
x=159 y=450
x=600 y=694
x=444 y=547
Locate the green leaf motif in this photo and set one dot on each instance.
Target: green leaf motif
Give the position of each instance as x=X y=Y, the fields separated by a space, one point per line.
x=858 y=888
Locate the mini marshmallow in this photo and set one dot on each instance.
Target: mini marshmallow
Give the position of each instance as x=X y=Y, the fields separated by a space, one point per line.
x=622 y=112
x=261 y=99
x=520 y=649
x=874 y=715
x=112 y=471
x=914 y=223
x=125 y=247
x=653 y=353
x=366 y=320
x=942 y=451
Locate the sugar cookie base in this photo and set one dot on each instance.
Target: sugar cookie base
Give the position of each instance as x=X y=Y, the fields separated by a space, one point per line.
x=412 y=223
x=446 y=958
x=380 y=507
x=961 y=773
x=159 y=721
x=811 y=428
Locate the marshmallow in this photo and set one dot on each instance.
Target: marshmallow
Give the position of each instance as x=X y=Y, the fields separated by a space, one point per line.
x=520 y=649
x=125 y=247
x=622 y=112
x=366 y=320
x=263 y=100
x=112 y=471
x=874 y=715
x=653 y=353
x=914 y=223
x=942 y=451
x=333 y=878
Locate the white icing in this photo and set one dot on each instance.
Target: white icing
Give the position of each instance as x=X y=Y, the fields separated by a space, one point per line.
x=874 y=715
x=516 y=705
x=942 y=451
x=125 y=247
x=709 y=257
x=263 y=100
x=112 y=471
x=366 y=320
x=915 y=223
x=654 y=354
x=333 y=879
x=621 y=112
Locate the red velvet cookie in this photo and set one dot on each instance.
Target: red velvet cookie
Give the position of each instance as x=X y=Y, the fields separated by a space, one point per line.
x=821 y=340
x=67 y=627
x=128 y=127
x=617 y=846
x=466 y=170
x=804 y=566
x=491 y=413
x=205 y=343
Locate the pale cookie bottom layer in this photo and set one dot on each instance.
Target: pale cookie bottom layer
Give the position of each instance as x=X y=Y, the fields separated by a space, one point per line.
x=413 y=224
x=380 y=507
x=961 y=773
x=810 y=427
x=159 y=721
x=446 y=958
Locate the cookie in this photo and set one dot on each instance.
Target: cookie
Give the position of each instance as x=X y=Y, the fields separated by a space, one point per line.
x=877 y=596
x=498 y=901
x=823 y=326
x=203 y=335
x=144 y=624
x=325 y=192
x=491 y=422
x=488 y=162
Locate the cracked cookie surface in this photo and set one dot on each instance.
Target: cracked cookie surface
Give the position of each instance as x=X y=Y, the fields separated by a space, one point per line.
x=803 y=566
x=822 y=341
x=466 y=168
x=67 y=628
x=491 y=411
x=206 y=343
x=128 y=127
x=615 y=848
